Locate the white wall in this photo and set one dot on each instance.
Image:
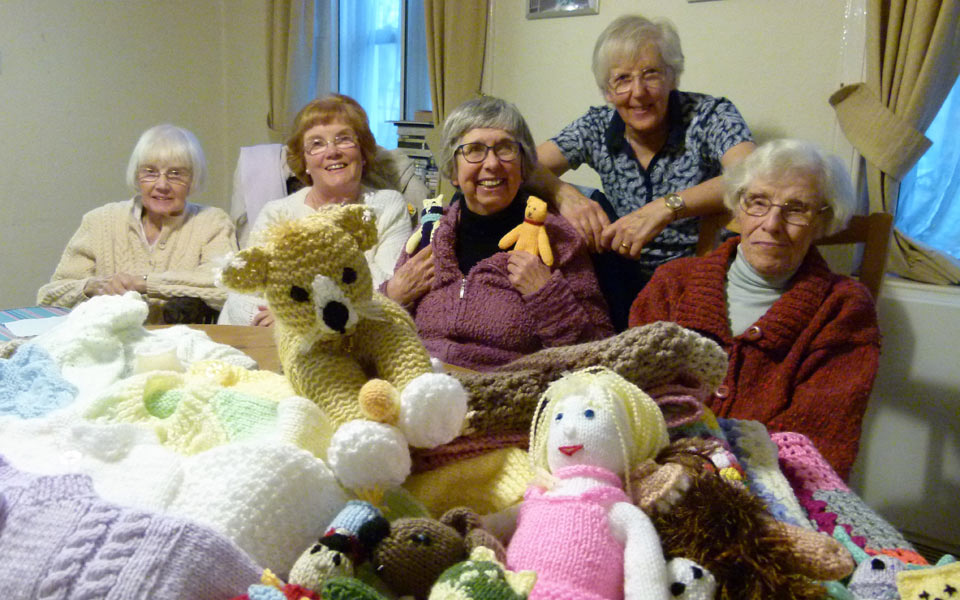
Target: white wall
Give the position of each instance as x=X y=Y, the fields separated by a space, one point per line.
x=80 y=80
x=776 y=61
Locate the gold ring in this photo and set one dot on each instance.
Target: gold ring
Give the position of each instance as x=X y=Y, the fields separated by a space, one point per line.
x=623 y=245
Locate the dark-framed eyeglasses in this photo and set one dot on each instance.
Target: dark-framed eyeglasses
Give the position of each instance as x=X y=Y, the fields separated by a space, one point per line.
x=317 y=145
x=174 y=175
x=792 y=211
x=650 y=79
x=476 y=152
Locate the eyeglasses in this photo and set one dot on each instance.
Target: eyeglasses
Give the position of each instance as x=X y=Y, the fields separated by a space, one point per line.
x=476 y=152
x=318 y=145
x=174 y=175
x=792 y=211
x=649 y=79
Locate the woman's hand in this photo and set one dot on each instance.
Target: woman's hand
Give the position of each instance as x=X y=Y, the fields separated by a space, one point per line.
x=629 y=234
x=526 y=272
x=413 y=278
x=263 y=318
x=114 y=286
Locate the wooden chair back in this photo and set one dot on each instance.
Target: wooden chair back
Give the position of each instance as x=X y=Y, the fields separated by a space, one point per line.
x=873 y=231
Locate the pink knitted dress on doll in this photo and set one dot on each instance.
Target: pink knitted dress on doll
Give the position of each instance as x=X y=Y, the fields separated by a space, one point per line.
x=567 y=540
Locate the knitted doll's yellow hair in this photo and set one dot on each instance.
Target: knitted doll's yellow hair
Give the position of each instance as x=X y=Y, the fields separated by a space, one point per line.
x=645 y=424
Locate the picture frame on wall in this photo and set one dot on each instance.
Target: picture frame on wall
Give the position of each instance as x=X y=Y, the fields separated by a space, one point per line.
x=543 y=9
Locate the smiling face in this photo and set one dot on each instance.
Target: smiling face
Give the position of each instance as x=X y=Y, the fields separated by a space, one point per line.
x=163 y=197
x=490 y=185
x=771 y=245
x=333 y=169
x=644 y=106
x=584 y=432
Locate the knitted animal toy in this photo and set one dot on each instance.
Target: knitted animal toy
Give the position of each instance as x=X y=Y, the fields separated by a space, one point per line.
x=531 y=236
x=431 y=213
x=580 y=533
x=482 y=577
x=417 y=550
x=690 y=581
x=349 y=349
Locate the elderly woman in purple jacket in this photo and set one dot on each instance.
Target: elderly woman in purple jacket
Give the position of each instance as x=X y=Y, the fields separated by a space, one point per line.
x=476 y=306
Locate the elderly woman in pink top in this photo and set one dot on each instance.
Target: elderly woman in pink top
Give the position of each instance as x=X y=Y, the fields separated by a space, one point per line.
x=476 y=306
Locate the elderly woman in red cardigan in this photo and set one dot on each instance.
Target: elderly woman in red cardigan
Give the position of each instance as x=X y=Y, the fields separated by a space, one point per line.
x=803 y=341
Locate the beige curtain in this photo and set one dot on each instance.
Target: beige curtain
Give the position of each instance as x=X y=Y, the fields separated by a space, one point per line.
x=300 y=39
x=913 y=59
x=456 y=42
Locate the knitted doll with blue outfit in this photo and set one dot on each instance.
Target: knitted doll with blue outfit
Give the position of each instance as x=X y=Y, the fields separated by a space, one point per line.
x=580 y=532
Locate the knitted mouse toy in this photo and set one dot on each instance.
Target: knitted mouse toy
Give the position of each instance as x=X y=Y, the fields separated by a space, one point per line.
x=333 y=331
x=531 y=236
x=431 y=213
x=580 y=532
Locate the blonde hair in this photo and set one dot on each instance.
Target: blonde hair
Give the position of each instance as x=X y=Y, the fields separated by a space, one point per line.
x=640 y=423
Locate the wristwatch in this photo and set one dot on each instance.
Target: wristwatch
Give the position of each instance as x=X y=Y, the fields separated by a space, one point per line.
x=675 y=203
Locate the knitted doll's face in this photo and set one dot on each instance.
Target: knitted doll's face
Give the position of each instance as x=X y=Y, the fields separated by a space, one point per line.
x=584 y=431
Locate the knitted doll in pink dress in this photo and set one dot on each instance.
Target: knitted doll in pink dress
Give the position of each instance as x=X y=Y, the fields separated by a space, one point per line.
x=580 y=532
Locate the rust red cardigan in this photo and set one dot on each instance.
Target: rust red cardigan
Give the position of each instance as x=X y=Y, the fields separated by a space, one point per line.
x=807 y=365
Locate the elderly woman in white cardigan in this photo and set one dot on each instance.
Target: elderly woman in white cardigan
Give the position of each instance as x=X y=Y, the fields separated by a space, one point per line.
x=156 y=243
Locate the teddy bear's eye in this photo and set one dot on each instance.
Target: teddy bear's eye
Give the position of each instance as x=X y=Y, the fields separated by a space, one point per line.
x=299 y=294
x=349 y=275
x=420 y=539
x=589 y=413
x=559 y=417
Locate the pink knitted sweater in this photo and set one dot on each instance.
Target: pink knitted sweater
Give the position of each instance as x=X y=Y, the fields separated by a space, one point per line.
x=567 y=540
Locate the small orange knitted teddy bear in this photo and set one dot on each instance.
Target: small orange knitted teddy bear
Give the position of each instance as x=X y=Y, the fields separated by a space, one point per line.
x=531 y=236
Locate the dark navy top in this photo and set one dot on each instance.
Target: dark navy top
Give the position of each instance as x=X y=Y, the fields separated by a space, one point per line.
x=702 y=129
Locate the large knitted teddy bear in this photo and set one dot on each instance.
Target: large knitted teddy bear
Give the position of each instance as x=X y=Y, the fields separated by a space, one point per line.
x=348 y=348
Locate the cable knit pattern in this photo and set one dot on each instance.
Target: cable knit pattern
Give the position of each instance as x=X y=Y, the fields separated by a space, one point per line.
x=109 y=241
x=807 y=365
x=59 y=540
x=479 y=320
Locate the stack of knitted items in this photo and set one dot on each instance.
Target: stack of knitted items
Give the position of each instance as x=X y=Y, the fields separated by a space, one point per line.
x=58 y=539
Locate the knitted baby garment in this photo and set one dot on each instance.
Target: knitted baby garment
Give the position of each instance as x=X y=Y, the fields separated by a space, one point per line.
x=58 y=539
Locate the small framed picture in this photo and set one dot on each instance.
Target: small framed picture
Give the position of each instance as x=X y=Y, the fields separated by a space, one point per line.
x=542 y=9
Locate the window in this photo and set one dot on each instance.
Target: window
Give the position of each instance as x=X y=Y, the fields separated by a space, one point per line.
x=928 y=209
x=382 y=61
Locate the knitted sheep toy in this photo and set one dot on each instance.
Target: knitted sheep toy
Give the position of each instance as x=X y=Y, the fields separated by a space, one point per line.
x=349 y=349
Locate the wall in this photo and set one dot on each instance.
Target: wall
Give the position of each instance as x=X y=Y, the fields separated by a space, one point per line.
x=79 y=82
x=778 y=64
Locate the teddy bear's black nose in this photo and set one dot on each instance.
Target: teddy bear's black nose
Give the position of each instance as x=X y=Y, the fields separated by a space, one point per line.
x=677 y=588
x=335 y=316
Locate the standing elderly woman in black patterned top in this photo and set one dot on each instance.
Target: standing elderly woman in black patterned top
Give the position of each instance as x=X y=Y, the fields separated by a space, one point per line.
x=659 y=151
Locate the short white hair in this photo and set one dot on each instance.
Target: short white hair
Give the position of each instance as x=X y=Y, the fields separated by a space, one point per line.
x=168 y=145
x=627 y=36
x=782 y=157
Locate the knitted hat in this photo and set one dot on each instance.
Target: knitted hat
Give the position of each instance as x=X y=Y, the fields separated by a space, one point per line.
x=58 y=539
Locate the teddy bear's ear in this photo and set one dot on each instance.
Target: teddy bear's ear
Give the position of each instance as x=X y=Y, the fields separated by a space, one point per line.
x=246 y=271
x=360 y=222
x=462 y=519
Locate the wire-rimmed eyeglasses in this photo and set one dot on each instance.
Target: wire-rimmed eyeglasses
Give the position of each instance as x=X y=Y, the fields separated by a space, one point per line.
x=174 y=175
x=649 y=79
x=792 y=211
x=317 y=145
x=476 y=152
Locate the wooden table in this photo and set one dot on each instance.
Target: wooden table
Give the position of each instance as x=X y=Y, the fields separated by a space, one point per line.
x=255 y=342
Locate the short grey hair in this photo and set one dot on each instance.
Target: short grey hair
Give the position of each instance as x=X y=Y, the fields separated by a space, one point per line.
x=777 y=158
x=485 y=112
x=626 y=37
x=170 y=145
